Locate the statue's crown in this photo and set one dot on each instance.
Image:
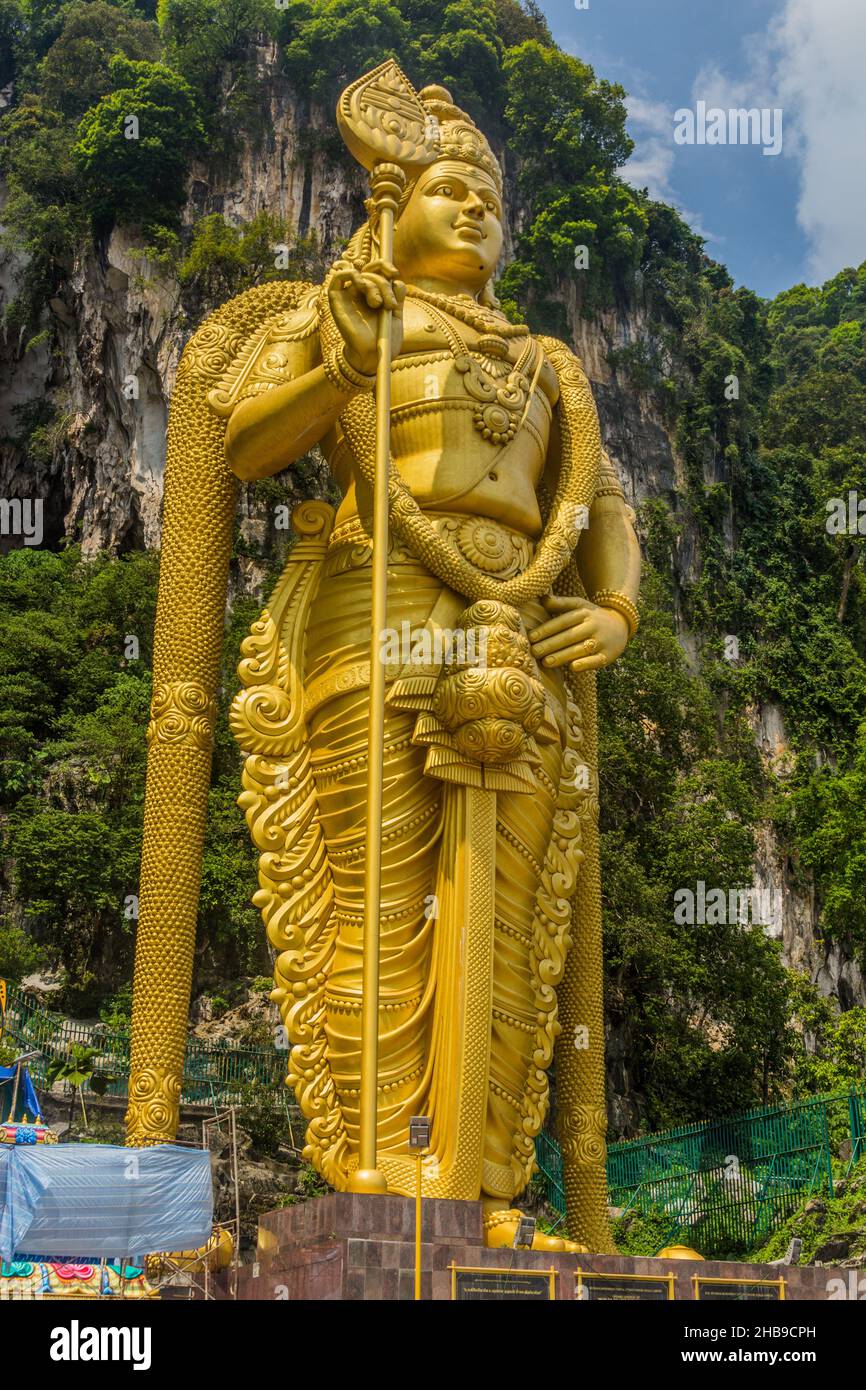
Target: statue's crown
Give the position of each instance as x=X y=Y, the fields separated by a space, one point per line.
x=382 y=118
x=459 y=136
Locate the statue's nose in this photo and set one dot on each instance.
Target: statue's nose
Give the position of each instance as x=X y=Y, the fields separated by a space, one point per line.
x=474 y=206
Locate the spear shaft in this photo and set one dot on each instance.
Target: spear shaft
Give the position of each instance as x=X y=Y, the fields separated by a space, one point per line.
x=387 y=182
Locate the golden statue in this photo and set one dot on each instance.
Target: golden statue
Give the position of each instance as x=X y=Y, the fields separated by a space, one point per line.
x=424 y=796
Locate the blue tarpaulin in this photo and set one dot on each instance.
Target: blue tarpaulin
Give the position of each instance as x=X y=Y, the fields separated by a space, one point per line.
x=101 y=1200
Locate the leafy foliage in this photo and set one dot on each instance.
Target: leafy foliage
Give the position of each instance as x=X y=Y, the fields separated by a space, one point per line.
x=223 y=260
x=212 y=44
x=76 y=71
x=77 y=1067
x=72 y=765
x=138 y=173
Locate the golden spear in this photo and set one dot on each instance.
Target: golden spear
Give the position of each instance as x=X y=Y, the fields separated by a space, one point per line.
x=382 y=122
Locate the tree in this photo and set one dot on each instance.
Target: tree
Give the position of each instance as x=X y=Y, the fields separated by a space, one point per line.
x=13 y=38
x=223 y=260
x=829 y=822
x=75 y=72
x=212 y=44
x=562 y=120
x=329 y=42
x=77 y=1068
x=133 y=148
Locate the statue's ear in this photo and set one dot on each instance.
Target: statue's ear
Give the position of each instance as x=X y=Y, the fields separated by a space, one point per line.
x=266 y=358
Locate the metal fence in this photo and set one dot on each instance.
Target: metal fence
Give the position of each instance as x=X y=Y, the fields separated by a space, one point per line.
x=727 y=1183
x=214 y=1072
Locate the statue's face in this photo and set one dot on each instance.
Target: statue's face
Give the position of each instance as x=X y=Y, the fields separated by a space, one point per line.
x=451 y=227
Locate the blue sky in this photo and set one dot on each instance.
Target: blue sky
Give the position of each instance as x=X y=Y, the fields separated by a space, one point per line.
x=774 y=221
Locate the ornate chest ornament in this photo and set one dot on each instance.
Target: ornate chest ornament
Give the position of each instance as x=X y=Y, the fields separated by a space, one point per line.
x=501 y=394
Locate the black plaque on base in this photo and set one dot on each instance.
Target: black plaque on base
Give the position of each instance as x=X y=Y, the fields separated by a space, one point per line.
x=739 y=1290
x=497 y=1285
x=593 y=1287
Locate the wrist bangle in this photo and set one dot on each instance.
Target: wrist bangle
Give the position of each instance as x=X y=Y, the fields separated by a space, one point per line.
x=343 y=376
x=619 y=603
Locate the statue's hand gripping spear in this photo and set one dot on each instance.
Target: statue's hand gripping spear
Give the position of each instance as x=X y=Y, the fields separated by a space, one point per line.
x=382 y=122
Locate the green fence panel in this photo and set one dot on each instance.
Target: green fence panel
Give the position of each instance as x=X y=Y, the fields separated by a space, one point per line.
x=213 y=1072
x=725 y=1183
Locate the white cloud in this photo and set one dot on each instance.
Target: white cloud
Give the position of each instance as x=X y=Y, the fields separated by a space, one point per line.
x=651 y=126
x=810 y=62
x=822 y=50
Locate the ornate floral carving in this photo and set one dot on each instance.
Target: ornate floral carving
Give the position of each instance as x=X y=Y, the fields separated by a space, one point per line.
x=182 y=713
x=481 y=721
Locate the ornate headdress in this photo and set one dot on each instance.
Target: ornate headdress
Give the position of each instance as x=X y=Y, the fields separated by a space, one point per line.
x=458 y=135
x=382 y=117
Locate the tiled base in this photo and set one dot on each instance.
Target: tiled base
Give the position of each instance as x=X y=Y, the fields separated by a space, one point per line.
x=359 y=1247
x=352 y=1246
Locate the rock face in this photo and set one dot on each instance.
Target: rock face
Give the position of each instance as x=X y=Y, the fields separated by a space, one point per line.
x=120 y=329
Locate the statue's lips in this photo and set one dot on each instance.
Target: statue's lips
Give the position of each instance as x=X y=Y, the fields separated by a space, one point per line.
x=469 y=231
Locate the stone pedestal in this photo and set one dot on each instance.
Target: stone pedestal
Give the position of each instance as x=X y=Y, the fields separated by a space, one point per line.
x=359 y=1247
x=354 y=1246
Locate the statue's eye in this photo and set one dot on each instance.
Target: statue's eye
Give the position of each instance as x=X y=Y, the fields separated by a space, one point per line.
x=491 y=207
x=446 y=190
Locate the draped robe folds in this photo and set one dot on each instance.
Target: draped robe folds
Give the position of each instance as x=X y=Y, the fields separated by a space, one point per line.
x=474 y=911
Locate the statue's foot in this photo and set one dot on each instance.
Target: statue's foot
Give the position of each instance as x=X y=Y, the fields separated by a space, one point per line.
x=500 y=1228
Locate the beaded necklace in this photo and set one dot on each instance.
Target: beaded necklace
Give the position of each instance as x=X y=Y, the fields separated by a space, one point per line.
x=470 y=312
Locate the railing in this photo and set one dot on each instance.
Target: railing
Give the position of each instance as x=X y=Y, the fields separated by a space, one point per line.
x=724 y=1184
x=213 y=1072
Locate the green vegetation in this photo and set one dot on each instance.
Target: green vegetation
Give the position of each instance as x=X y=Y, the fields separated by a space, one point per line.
x=222 y=260
x=133 y=146
x=832 y=1229
x=78 y=1069
x=767 y=406
x=72 y=759
x=643 y=1232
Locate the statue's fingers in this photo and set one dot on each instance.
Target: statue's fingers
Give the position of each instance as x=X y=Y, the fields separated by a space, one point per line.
x=573 y=637
x=557 y=624
x=589 y=663
x=569 y=636
x=379 y=292
x=573 y=652
x=384 y=268
x=389 y=298
x=557 y=604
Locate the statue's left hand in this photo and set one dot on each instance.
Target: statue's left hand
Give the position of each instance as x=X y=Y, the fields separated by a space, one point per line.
x=579 y=634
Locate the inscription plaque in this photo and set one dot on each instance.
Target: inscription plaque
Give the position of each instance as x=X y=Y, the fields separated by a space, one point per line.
x=497 y=1285
x=630 y=1288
